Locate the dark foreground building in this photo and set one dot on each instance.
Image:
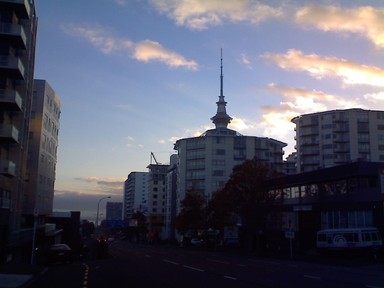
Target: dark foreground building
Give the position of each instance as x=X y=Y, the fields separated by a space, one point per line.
x=345 y=196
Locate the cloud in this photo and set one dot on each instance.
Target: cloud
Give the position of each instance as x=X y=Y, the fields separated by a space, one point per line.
x=245 y=61
x=99 y=37
x=304 y=101
x=200 y=14
x=319 y=67
x=148 y=50
x=366 y=21
x=121 y=2
x=103 y=185
x=238 y=124
x=144 y=51
x=376 y=98
x=86 y=203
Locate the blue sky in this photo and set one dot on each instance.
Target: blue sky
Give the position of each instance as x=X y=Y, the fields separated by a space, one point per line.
x=133 y=76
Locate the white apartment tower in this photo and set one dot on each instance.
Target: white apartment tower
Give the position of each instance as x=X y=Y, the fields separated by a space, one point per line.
x=205 y=163
x=135 y=194
x=337 y=137
x=42 y=150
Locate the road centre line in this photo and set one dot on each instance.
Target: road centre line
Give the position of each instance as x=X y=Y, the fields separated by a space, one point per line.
x=230 y=277
x=312 y=277
x=171 y=262
x=193 y=268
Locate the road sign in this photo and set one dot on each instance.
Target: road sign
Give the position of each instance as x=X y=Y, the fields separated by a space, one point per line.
x=290 y=234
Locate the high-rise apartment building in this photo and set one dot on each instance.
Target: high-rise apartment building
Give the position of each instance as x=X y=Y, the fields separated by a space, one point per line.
x=330 y=138
x=156 y=198
x=42 y=150
x=205 y=163
x=18 y=26
x=135 y=194
x=170 y=199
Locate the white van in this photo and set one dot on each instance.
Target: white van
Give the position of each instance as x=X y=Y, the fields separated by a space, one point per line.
x=349 y=238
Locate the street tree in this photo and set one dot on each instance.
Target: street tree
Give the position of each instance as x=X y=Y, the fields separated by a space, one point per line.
x=244 y=196
x=192 y=214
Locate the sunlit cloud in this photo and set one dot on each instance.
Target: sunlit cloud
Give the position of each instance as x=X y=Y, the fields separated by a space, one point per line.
x=310 y=101
x=144 y=51
x=245 y=61
x=366 y=21
x=200 y=14
x=238 y=124
x=103 y=181
x=99 y=37
x=147 y=51
x=319 y=67
x=376 y=98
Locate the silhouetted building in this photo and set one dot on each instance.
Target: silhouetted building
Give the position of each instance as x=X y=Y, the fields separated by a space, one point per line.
x=344 y=196
x=114 y=211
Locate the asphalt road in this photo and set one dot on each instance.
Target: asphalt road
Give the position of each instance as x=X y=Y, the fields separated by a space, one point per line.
x=143 y=265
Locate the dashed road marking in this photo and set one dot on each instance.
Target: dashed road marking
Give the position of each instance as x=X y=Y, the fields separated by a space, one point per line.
x=193 y=268
x=171 y=262
x=312 y=277
x=85 y=277
x=230 y=277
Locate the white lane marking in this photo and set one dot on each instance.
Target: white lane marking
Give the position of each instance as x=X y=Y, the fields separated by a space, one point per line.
x=171 y=262
x=193 y=268
x=230 y=277
x=312 y=277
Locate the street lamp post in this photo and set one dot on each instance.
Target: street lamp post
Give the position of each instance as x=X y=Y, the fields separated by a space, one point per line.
x=98 y=206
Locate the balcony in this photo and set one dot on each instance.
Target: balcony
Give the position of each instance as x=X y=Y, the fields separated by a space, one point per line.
x=11 y=99
x=14 y=34
x=13 y=66
x=7 y=168
x=9 y=132
x=22 y=7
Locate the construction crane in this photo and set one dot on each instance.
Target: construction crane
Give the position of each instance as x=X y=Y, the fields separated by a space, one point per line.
x=154 y=158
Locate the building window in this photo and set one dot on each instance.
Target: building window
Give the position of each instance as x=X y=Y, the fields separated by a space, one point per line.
x=220 y=151
x=218 y=173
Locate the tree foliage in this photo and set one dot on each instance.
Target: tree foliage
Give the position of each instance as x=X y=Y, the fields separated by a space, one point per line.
x=245 y=194
x=192 y=214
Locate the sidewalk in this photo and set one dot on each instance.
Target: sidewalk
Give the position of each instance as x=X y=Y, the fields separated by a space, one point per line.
x=19 y=275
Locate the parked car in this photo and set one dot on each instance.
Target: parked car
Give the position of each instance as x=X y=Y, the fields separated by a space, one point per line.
x=197 y=241
x=60 y=253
